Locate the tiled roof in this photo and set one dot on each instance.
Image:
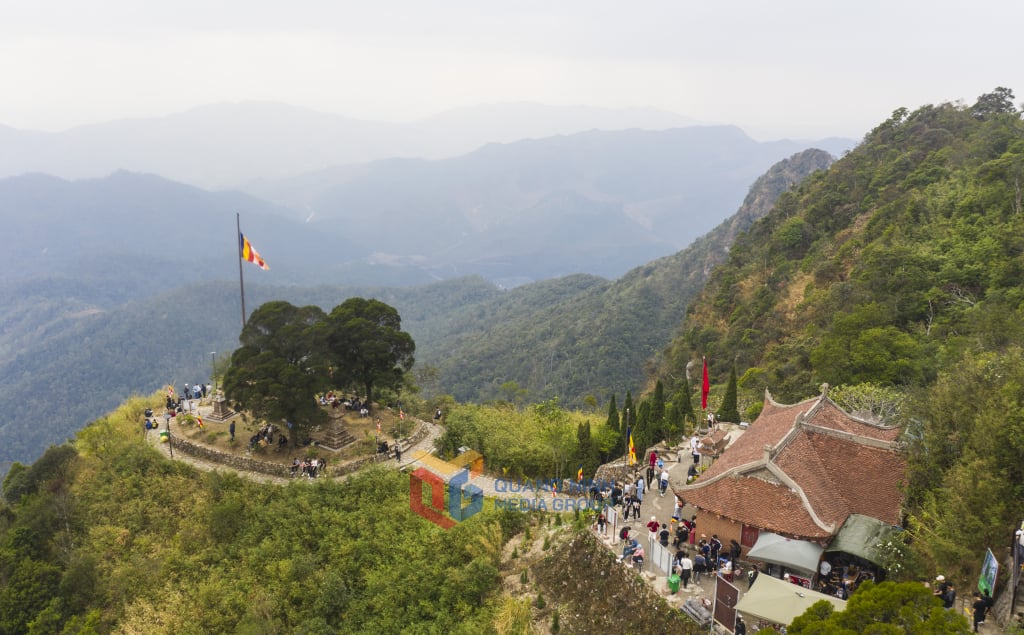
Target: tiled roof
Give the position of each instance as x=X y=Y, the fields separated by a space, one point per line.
x=756 y=502
x=829 y=415
x=842 y=477
x=839 y=474
x=774 y=422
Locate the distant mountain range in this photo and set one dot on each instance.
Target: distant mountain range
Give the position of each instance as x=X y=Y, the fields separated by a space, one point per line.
x=124 y=282
x=222 y=145
x=594 y=202
x=85 y=324
x=228 y=144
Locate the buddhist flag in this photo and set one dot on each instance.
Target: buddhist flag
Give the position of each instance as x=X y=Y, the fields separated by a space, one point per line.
x=632 y=448
x=579 y=473
x=249 y=254
x=705 y=387
x=199 y=422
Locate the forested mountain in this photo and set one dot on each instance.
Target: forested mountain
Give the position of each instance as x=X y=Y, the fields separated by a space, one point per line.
x=128 y=231
x=595 y=202
x=553 y=342
x=77 y=346
x=901 y=268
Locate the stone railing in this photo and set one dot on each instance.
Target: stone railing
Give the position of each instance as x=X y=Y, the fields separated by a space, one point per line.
x=242 y=463
x=249 y=464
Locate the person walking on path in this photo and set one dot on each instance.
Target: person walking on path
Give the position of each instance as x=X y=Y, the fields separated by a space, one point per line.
x=641 y=485
x=685 y=569
x=652 y=530
x=699 y=566
x=663 y=481
x=980 y=607
x=231 y=430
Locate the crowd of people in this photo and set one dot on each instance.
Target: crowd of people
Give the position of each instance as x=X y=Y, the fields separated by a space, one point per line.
x=309 y=467
x=352 y=404
x=264 y=438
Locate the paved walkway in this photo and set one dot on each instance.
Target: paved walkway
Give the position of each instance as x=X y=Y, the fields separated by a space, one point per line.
x=661 y=507
x=423 y=446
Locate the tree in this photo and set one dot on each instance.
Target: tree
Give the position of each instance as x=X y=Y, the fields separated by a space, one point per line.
x=628 y=419
x=556 y=434
x=614 y=422
x=869 y=400
x=365 y=344
x=276 y=373
x=905 y=608
x=658 y=413
x=586 y=452
x=728 y=410
x=999 y=101
x=642 y=433
x=684 y=405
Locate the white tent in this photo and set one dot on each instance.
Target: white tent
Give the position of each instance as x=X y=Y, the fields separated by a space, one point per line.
x=781 y=602
x=788 y=552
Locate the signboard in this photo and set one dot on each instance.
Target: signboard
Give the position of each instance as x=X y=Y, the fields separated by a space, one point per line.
x=989 y=572
x=726 y=596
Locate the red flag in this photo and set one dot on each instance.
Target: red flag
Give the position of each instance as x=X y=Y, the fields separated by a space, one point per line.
x=705 y=387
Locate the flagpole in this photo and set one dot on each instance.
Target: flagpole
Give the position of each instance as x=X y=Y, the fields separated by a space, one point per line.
x=241 y=279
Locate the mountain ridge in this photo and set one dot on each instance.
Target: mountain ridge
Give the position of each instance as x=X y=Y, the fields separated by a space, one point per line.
x=228 y=143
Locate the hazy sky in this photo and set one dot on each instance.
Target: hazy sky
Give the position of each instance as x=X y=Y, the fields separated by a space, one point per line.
x=798 y=68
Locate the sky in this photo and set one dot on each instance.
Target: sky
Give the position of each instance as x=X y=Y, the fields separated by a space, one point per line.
x=782 y=68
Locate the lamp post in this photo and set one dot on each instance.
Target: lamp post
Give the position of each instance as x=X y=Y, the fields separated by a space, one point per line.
x=167 y=426
x=213 y=371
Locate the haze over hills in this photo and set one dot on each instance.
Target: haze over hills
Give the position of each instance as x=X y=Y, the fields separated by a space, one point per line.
x=222 y=145
x=76 y=345
x=579 y=336
x=594 y=202
x=104 y=287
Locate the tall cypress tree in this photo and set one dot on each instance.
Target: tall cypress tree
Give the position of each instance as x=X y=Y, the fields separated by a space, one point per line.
x=587 y=452
x=613 y=422
x=685 y=405
x=628 y=418
x=642 y=429
x=728 y=411
x=674 y=423
x=657 y=423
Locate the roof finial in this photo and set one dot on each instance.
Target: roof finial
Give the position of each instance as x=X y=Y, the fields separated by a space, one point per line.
x=824 y=389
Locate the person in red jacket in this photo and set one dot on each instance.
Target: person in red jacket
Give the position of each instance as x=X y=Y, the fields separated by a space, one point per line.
x=652 y=529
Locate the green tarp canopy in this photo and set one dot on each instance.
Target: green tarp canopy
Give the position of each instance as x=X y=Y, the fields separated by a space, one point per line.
x=861 y=535
x=781 y=602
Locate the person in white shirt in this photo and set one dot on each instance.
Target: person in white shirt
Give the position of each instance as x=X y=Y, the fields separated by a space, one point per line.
x=823 y=570
x=685 y=569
